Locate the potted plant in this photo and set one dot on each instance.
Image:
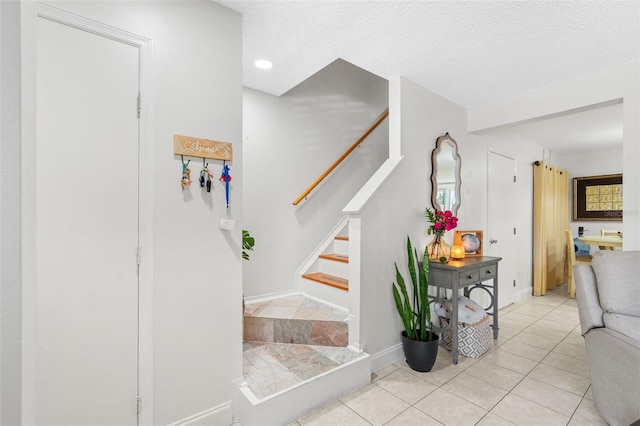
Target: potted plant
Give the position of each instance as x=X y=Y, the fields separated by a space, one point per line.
x=419 y=343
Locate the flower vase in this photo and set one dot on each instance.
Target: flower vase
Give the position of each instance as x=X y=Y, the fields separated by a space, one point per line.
x=438 y=249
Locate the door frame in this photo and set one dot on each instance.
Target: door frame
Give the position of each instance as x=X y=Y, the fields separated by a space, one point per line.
x=491 y=150
x=31 y=13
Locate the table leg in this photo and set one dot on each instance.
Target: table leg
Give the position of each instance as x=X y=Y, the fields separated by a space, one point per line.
x=495 y=307
x=454 y=324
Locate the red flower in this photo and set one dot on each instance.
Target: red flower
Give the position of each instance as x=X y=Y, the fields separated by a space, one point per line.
x=441 y=221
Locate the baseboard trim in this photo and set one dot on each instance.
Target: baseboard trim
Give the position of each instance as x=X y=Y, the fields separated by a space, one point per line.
x=387 y=357
x=524 y=294
x=269 y=296
x=218 y=415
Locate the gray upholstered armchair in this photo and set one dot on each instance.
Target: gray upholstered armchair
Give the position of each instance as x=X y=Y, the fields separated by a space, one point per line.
x=608 y=295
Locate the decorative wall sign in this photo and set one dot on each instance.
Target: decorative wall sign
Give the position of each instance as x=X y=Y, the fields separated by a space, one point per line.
x=597 y=198
x=202 y=148
x=470 y=240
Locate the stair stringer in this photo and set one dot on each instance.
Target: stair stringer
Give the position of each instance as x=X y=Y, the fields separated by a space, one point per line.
x=319 y=291
x=308 y=263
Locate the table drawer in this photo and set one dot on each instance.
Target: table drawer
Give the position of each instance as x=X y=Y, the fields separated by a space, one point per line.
x=468 y=277
x=488 y=272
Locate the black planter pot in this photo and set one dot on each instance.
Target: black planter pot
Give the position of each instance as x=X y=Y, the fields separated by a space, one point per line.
x=420 y=355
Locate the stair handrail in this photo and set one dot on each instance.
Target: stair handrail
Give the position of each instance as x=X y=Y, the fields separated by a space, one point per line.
x=342 y=157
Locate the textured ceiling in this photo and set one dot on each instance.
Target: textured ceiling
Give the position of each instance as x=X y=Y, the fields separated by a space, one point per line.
x=469 y=52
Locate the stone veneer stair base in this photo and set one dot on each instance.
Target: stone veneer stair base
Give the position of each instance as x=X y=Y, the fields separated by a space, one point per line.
x=290 y=404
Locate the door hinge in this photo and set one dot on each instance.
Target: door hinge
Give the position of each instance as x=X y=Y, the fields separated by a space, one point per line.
x=514 y=283
x=514 y=178
x=139 y=104
x=138 y=405
x=514 y=231
x=139 y=255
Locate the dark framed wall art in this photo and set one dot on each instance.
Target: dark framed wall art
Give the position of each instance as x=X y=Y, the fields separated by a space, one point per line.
x=597 y=198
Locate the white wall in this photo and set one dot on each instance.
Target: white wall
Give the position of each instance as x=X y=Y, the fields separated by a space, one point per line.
x=10 y=339
x=592 y=163
x=613 y=83
x=291 y=140
x=196 y=89
x=397 y=209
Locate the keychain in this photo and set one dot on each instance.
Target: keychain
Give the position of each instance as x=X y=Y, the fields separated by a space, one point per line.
x=186 y=174
x=226 y=178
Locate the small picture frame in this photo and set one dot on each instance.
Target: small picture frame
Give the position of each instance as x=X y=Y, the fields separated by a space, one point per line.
x=471 y=241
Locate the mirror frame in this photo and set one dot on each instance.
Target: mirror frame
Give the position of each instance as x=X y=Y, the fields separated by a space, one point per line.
x=434 y=172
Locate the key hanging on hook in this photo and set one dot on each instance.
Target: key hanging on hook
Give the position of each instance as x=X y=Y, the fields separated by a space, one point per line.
x=185 y=181
x=202 y=173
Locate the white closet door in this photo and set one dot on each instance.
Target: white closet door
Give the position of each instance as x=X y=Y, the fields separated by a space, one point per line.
x=87 y=228
x=500 y=240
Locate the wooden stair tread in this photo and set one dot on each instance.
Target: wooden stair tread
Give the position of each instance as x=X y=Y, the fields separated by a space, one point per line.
x=330 y=280
x=335 y=256
x=342 y=237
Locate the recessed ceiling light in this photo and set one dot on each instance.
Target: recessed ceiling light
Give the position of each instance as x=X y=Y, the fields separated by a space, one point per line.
x=263 y=64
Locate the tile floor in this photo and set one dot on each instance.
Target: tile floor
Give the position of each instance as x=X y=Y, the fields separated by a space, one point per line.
x=269 y=365
x=536 y=374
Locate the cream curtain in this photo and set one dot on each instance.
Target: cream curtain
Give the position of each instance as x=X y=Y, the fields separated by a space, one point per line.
x=550 y=221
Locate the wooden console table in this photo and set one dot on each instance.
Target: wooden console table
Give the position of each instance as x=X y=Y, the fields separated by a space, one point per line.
x=468 y=274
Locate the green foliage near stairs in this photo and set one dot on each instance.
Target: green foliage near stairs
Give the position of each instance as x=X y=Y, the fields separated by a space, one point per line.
x=247 y=244
x=416 y=314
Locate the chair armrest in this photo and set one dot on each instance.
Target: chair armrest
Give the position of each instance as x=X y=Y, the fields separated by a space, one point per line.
x=588 y=299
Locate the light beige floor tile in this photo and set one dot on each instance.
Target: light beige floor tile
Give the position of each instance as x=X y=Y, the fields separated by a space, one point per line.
x=510 y=361
x=533 y=310
x=567 y=363
x=524 y=350
x=474 y=390
x=383 y=372
x=375 y=405
x=441 y=373
x=406 y=386
x=413 y=417
x=508 y=308
x=568 y=310
x=513 y=323
x=535 y=340
x=507 y=332
x=574 y=339
x=546 y=301
x=586 y=414
x=523 y=412
x=561 y=379
x=541 y=330
x=589 y=394
x=334 y=414
x=522 y=317
x=563 y=318
x=576 y=351
x=555 y=325
x=558 y=400
x=498 y=376
x=450 y=409
x=492 y=420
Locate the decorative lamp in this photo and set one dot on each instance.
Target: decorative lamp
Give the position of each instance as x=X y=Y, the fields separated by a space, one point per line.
x=457 y=252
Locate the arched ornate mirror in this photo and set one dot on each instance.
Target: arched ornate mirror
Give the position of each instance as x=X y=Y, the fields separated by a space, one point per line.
x=445 y=175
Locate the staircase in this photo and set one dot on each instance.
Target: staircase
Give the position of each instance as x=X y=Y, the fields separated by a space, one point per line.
x=295 y=359
x=330 y=281
x=295 y=353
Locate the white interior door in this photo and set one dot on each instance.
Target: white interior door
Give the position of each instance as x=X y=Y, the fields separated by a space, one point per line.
x=500 y=240
x=86 y=170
